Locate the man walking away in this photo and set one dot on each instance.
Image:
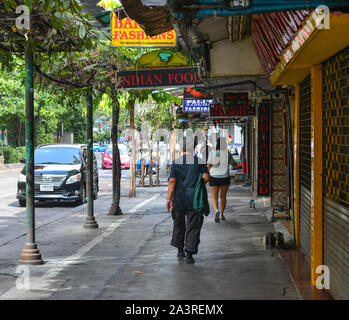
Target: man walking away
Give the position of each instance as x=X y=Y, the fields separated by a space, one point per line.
x=187 y=224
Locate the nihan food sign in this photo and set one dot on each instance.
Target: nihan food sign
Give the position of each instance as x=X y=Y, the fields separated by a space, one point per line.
x=128 y=33
x=155 y=78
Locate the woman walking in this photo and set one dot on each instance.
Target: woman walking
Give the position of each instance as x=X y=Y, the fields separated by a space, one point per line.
x=218 y=164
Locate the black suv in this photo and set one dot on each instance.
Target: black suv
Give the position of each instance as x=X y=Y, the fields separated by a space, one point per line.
x=60 y=174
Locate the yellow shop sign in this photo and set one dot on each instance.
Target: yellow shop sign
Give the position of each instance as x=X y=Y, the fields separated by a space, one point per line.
x=128 y=33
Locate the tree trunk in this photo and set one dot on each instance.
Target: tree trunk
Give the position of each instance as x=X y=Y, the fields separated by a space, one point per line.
x=132 y=191
x=150 y=163
x=115 y=205
x=173 y=137
x=167 y=163
x=142 y=166
x=19 y=130
x=158 y=164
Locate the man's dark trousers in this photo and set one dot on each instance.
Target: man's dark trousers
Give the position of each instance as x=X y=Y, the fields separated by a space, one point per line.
x=187 y=232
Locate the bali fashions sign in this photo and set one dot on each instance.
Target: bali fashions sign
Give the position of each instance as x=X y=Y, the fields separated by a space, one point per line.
x=195 y=101
x=128 y=33
x=263 y=183
x=175 y=77
x=197 y=105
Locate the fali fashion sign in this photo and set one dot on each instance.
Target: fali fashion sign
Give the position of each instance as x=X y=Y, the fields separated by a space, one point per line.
x=197 y=105
x=196 y=101
x=174 y=77
x=128 y=33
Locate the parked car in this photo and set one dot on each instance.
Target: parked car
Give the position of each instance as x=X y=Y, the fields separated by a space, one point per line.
x=99 y=147
x=60 y=174
x=107 y=158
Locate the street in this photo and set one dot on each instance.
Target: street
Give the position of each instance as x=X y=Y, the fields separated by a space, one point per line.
x=258 y=90
x=57 y=222
x=12 y=216
x=129 y=256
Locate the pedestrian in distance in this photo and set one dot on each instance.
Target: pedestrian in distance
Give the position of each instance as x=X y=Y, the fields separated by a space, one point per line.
x=218 y=164
x=186 y=171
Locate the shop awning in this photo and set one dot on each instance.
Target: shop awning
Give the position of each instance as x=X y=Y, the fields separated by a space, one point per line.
x=153 y=20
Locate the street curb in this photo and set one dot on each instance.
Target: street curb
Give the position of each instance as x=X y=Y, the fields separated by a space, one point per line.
x=10 y=166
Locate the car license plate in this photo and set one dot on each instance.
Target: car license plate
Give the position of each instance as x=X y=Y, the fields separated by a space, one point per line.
x=45 y=187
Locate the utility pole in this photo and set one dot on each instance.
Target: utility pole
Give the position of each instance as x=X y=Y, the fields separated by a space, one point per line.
x=90 y=222
x=30 y=254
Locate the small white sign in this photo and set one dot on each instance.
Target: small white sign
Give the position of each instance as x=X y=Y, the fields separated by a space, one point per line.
x=46 y=187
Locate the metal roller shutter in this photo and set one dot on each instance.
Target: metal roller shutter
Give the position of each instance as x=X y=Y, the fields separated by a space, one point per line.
x=336 y=171
x=305 y=168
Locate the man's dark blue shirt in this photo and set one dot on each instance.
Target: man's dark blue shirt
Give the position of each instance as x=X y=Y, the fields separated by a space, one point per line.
x=186 y=170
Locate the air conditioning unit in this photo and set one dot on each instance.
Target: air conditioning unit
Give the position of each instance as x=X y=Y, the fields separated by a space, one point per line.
x=154 y=3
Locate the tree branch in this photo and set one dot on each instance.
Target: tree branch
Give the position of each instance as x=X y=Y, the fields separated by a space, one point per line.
x=60 y=81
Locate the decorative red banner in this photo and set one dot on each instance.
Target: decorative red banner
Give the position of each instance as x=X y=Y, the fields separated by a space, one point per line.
x=263 y=188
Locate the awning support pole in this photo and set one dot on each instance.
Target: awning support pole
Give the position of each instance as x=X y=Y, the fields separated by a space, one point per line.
x=90 y=222
x=30 y=254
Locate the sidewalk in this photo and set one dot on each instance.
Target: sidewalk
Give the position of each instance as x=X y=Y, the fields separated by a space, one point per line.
x=231 y=264
x=11 y=166
x=129 y=256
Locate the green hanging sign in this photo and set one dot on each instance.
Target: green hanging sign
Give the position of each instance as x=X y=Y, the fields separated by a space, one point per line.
x=165 y=58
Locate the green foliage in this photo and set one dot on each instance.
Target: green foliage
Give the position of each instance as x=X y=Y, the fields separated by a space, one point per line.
x=109 y=4
x=12 y=110
x=12 y=106
x=84 y=62
x=55 y=25
x=74 y=121
x=103 y=137
x=50 y=111
x=13 y=155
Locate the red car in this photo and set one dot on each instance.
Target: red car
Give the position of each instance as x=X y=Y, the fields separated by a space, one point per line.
x=107 y=158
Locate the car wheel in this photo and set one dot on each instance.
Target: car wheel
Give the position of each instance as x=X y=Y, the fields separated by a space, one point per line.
x=82 y=198
x=22 y=203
